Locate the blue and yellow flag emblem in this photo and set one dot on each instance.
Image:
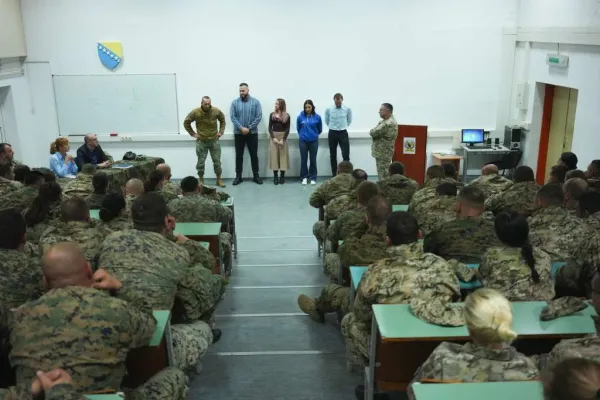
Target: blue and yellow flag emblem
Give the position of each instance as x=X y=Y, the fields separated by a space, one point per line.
x=110 y=54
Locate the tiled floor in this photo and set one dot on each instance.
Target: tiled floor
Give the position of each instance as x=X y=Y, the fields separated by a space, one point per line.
x=269 y=349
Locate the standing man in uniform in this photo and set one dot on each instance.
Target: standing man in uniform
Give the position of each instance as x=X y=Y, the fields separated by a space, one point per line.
x=246 y=114
x=207 y=136
x=384 y=137
x=338 y=118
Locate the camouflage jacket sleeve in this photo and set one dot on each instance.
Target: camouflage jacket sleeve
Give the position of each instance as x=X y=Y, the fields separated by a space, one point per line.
x=337 y=206
x=433 y=242
x=223 y=196
x=334 y=231
x=195 y=292
x=493 y=203
x=141 y=324
x=381 y=131
x=364 y=298
x=463 y=272
x=224 y=214
x=199 y=254
x=317 y=198
x=187 y=122
x=436 y=308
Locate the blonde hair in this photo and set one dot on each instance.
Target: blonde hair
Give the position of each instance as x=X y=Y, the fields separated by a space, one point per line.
x=488 y=315
x=61 y=141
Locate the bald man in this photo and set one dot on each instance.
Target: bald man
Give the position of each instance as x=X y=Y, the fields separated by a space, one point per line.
x=490 y=183
x=168 y=186
x=79 y=327
x=134 y=188
x=92 y=153
x=573 y=189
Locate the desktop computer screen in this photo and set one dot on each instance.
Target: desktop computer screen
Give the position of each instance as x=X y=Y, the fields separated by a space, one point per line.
x=472 y=136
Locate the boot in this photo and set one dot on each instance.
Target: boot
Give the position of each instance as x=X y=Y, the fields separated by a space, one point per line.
x=216 y=335
x=257 y=179
x=220 y=182
x=282 y=178
x=309 y=306
x=238 y=179
x=275 y=178
x=201 y=179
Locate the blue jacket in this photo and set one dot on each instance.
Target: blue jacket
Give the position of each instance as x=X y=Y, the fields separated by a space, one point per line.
x=309 y=127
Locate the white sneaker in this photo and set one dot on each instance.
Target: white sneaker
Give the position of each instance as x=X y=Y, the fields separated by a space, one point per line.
x=313 y=182
x=304 y=181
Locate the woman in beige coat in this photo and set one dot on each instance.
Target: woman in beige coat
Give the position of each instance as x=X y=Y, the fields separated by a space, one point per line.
x=279 y=129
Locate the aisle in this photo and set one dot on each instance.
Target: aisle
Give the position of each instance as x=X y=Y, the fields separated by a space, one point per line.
x=269 y=348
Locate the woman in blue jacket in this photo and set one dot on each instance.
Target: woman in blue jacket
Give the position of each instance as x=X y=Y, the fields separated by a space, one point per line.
x=309 y=126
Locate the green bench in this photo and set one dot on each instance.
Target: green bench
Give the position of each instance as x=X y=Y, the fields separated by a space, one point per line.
x=400 y=207
x=204 y=232
x=476 y=391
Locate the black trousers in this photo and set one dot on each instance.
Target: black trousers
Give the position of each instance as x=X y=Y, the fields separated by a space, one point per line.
x=242 y=141
x=335 y=138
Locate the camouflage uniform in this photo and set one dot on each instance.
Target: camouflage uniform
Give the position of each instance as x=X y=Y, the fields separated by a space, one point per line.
x=168 y=196
x=21 y=279
x=20 y=199
x=94 y=201
x=57 y=392
x=464 y=239
x=408 y=276
x=129 y=199
x=120 y=223
x=398 y=189
x=34 y=233
x=351 y=223
x=419 y=204
x=7 y=187
x=440 y=209
x=334 y=209
x=196 y=208
x=206 y=125
x=491 y=185
x=504 y=269
x=81 y=186
x=453 y=362
x=213 y=194
x=87 y=333
x=152 y=267
x=384 y=138
x=520 y=197
x=367 y=249
x=331 y=189
x=85 y=234
x=172 y=187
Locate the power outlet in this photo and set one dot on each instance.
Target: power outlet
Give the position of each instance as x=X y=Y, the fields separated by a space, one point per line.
x=126 y=139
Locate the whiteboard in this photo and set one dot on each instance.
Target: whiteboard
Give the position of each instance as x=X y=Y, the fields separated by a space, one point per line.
x=125 y=104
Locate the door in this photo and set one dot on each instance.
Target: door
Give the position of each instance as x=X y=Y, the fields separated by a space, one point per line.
x=562 y=125
x=3 y=96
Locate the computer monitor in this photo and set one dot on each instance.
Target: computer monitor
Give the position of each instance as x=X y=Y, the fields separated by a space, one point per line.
x=472 y=136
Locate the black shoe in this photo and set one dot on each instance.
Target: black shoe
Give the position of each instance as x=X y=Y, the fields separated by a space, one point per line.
x=257 y=180
x=275 y=178
x=282 y=178
x=216 y=335
x=237 y=180
x=359 y=392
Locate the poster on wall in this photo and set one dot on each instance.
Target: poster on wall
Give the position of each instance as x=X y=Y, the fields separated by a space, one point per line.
x=110 y=54
x=410 y=145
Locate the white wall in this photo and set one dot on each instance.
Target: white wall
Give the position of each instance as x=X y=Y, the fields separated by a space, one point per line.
x=558 y=13
x=436 y=70
x=12 y=37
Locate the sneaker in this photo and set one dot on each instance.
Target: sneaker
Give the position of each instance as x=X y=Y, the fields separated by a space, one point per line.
x=304 y=181
x=309 y=306
x=313 y=182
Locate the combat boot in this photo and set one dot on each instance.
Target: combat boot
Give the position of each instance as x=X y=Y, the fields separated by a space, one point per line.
x=309 y=306
x=201 y=179
x=220 y=182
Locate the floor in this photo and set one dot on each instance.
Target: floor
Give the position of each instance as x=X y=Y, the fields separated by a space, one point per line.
x=269 y=348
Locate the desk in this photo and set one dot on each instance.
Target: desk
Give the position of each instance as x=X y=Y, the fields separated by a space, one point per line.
x=476 y=284
x=398 y=335
x=114 y=396
x=400 y=207
x=439 y=159
x=478 y=151
x=204 y=232
x=356 y=274
x=230 y=227
x=95 y=214
x=476 y=391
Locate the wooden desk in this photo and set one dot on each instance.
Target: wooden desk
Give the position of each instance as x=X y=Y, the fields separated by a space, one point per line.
x=230 y=227
x=400 y=207
x=204 y=232
x=398 y=335
x=476 y=391
x=439 y=159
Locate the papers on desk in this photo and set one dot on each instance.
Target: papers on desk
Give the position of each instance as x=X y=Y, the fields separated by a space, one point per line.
x=70 y=176
x=122 y=165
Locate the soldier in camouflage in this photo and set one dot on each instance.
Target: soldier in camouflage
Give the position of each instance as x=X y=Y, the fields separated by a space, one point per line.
x=490 y=182
x=419 y=204
x=81 y=186
x=100 y=189
x=384 y=138
x=193 y=207
x=593 y=176
x=155 y=184
x=113 y=214
x=441 y=208
x=7 y=183
x=76 y=226
x=93 y=334
x=467 y=237
x=21 y=278
x=44 y=212
x=397 y=188
x=162 y=271
x=353 y=223
x=519 y=197
x=337 y=186
x=23 y=197
x=573 y=189
x=134 y=188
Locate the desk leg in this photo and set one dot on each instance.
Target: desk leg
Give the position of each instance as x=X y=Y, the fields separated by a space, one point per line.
x=370 y=370
x=234 y=233
x=169 y=341
x=465 y=166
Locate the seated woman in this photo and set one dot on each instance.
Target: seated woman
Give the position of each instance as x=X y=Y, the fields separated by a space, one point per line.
x=155 y=183
x=100 y=187
x=113 y=214
x=488 y=357
x=573 y=379
x=61 y=163
x=45 y=209
x=519 y=271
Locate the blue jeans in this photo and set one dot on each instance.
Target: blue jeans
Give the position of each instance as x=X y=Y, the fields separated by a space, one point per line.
x=308 y=149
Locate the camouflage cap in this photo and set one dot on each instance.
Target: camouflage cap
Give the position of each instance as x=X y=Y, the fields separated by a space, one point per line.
x=561 y=307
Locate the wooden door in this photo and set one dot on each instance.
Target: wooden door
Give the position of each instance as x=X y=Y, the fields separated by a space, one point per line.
x=562 y=125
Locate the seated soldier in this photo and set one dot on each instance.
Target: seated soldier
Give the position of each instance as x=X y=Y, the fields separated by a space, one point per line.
x=558 y=174
x=488 y=357
x=573 y=189
x=441 y=208
x=397 y=188
x=573 y=379
x=520 y=197
x=466 y=237
x=168 y=185
x=21 y=278
x=23 y=197
x=406 y=276
x=113 y=214
x=81 y=186
x=366 y=249
x=575 y=173
x=418 y=204
x=593 y=176
x=340 y=204
x=100 y=189
x=337 y=186
x=589 y=209
x=44 y=211
x=49 y=175
x=7 y=184
x=516 y=269
x=79 y=327
x=490 y=183
x=451 y=173
x=569 y=160
x=134 y=188
x=193 y=207
x=352 y=223
x=155 y=183
x=587 y=347
x=162 y=271
x=76 y=226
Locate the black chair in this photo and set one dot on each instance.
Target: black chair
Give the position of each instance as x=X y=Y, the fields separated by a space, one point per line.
x=509 y=161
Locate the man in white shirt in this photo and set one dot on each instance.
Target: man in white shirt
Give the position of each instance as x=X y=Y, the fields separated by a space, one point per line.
x=338 y=118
